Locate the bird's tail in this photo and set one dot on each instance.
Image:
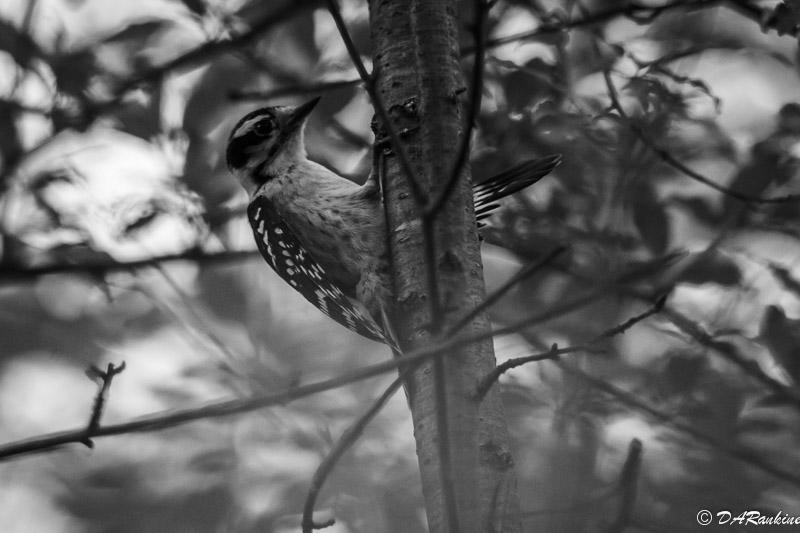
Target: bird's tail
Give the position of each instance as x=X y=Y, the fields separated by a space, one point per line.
x=486 y=193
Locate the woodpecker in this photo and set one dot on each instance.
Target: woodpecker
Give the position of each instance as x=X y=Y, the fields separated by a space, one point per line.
x=322 y=233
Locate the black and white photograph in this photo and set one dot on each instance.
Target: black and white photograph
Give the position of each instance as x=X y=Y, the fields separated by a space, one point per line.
x=399 y=266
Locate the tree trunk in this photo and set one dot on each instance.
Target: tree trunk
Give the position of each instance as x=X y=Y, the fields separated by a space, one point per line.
x=419 y=79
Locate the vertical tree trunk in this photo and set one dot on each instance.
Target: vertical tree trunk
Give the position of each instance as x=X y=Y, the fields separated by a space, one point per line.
x=419 y=78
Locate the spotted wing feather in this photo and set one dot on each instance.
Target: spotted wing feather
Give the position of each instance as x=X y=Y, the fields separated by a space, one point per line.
x=281 y=248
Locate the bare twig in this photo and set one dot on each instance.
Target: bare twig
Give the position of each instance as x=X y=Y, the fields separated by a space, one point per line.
x=293 y=90
x=732 y=354
x=686 y=325
x=344 y=443
x=498 y=293
x=785 y=277
x=555 y=351
x=377 y=102
x=202 y=328
x=216 y=409
x=668 y=158
x=203 y=53
x=726 y=446
x=12 y=273
x=634 y=10
x=625 y=326
x=104 y=385
x=555 y=311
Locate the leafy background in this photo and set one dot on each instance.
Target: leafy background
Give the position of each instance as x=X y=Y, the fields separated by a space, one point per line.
x=99 y=169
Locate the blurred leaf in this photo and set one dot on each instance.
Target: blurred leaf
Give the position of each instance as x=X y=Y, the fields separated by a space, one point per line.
x=785 y=18
x=213 y=461
x=649 y=216
x=198 y=7
x=73 y=71
x=140 y=31
x=655 y=97
x=529 y=83
x=682 y=372
x=142 y=119
x=698 y=84
x=112 y=477
x=753 y=178
x=700 y=208
x=10 y=144
x=782 y=337
x=18 y=44
x=711 y=267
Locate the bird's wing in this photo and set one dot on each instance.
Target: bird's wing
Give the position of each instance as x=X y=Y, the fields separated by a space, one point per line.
x=281 y=248
x=486 y=193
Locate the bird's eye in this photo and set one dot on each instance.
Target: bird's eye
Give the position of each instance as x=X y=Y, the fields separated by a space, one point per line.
x=264 y=127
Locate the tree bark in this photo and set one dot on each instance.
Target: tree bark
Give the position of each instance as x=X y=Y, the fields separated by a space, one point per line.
x=419 y=79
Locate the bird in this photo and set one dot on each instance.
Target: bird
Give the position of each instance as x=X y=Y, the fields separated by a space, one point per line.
x=324 y=234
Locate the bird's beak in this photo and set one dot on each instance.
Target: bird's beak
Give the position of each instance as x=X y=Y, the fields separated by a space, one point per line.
x=299 y=114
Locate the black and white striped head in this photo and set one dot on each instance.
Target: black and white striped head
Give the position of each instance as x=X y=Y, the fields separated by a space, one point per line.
x=266 y=141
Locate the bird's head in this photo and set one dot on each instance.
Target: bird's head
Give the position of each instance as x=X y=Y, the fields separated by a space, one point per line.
x=267 y=141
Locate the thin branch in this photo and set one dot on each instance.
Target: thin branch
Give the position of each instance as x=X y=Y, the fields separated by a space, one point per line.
x=105 y=378
x=203 y=53
x=686 y=325
x=476 y=92
x=230 y=407
x=668 y=158
x=350 y=136
x=628 y=324
x=344 y=443
x=12 y=273
x=555 y=351
x=668 y=420
x=498 y=293
x=222 y=408
x=554 y=311
x=638 y=12
x=172 y=418
x=216 y=409
x=293 y=90
x=202 y=329
x=377 y=102
x=732 y=354
x=786 y=278
x=675 y=163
